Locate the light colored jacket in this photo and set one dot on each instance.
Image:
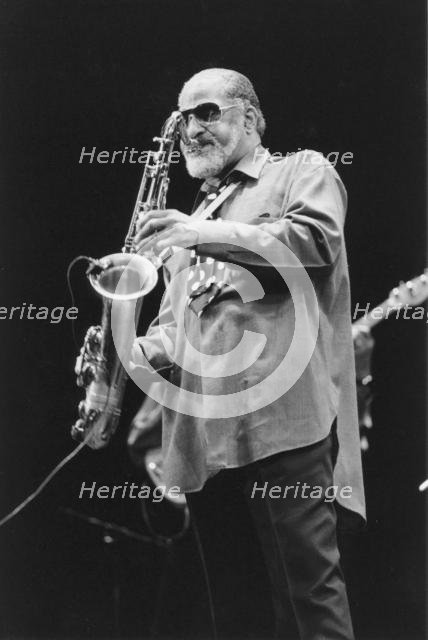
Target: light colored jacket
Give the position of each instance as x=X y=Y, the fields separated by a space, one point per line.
x=299 y=201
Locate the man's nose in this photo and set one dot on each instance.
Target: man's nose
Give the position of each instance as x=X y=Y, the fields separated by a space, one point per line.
x=194 y=127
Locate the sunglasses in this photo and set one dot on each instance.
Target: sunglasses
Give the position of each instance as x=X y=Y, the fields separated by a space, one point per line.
x=206 y=113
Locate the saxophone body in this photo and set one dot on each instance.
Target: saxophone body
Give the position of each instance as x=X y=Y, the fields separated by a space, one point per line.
x=98 y=368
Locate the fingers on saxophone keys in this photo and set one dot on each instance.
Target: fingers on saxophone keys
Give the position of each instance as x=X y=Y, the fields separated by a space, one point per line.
x=145 y=245
x=146 y=231
x=151 y=214
x=142 y=221
x=148 y=243
x=148 y=224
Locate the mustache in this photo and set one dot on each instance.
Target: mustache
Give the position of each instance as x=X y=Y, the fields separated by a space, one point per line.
x=198 y=145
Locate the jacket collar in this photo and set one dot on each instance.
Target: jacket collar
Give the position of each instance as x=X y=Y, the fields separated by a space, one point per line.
x=250 y=165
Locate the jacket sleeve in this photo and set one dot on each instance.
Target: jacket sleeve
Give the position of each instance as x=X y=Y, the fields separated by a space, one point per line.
x=310 y=224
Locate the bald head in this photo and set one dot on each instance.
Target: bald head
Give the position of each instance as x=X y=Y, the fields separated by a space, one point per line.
x=231 y=84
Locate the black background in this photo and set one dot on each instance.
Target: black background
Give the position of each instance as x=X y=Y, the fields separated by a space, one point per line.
x=332 y=75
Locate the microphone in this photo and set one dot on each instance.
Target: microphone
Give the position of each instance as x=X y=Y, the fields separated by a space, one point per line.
x=97 y=266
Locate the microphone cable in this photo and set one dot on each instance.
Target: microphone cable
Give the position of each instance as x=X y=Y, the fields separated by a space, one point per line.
x=70 y=289
x=45 y=482
x=80 y=446
x=206 y=574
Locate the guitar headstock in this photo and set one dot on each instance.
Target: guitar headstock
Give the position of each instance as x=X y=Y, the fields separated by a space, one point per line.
x=411 y=293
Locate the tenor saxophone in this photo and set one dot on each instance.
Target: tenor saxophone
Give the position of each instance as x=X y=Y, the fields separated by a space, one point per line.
x=98 y=367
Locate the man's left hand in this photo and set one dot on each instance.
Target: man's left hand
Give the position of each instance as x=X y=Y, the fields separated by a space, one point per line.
x=160 y=229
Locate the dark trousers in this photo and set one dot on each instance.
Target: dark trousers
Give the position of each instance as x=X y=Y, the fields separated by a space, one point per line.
x=295 y=535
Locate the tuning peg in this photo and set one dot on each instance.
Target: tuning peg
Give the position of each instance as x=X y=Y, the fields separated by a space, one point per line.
x=410 y=287
x=364 y=443
x=423 y=486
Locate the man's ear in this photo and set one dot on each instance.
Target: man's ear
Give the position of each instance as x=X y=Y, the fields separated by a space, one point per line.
x=250 y=121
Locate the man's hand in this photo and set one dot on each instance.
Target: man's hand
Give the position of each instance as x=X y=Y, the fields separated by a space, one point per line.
x=137 y=360
x=160 y=229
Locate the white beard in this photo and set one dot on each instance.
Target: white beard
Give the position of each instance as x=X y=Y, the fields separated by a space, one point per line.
x=208 y=160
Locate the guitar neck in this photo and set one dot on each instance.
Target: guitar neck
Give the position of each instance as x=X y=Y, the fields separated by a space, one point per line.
x=382 y=311
x=405 y=294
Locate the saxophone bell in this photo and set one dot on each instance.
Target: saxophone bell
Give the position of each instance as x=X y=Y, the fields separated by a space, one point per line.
x=123 y=276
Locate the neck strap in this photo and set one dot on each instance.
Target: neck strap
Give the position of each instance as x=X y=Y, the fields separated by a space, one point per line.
x=224 y=193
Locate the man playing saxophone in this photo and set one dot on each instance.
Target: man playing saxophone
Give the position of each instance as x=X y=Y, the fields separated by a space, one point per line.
x=308 y=436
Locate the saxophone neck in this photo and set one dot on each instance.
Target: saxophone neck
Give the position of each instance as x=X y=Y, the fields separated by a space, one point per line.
x=155 y=182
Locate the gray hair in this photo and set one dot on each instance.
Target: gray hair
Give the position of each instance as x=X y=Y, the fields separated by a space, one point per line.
x=236 y=87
